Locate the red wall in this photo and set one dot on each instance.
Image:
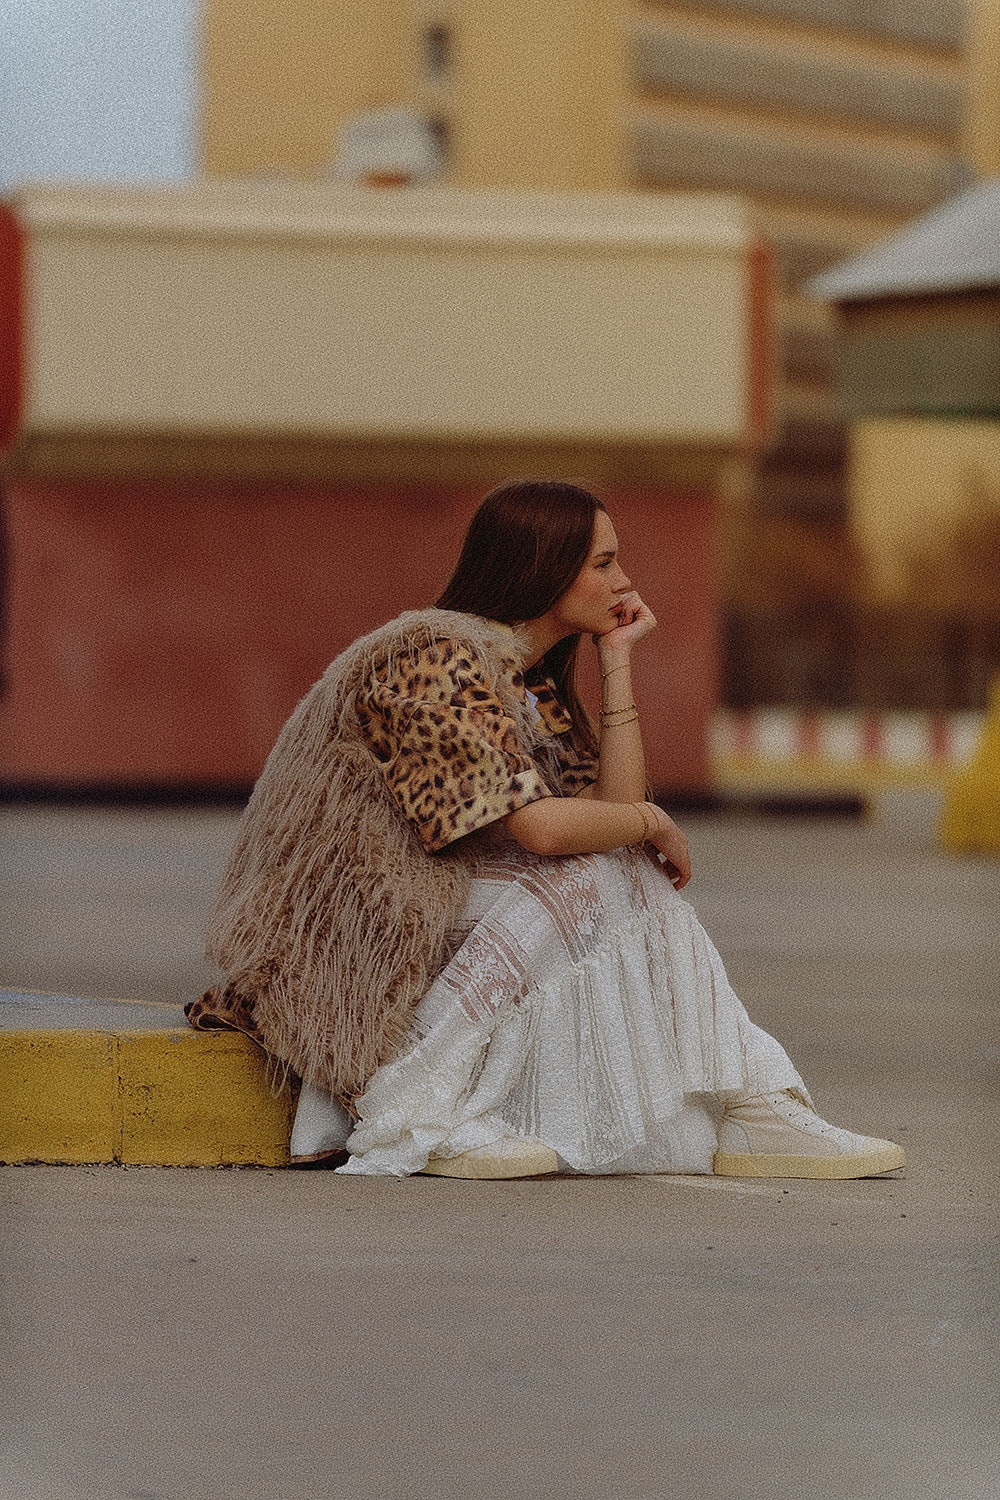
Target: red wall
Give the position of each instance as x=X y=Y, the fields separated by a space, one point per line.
x=162 y=632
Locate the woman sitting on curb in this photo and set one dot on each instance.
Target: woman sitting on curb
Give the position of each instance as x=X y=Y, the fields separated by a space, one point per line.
x=453 y=911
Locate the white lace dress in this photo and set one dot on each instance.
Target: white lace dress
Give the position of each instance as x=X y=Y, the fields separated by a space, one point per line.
x=583 y=1005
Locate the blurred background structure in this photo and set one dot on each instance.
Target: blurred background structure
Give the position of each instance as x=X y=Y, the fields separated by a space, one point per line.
x=248 y=415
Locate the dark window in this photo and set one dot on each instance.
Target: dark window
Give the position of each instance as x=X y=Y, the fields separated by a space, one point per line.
x=441 y=131
x=437 y=52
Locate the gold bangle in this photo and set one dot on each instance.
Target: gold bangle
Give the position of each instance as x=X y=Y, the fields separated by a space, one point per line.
x=622 y=667
x=640 y=807
x=626 y=708
x=617 y=723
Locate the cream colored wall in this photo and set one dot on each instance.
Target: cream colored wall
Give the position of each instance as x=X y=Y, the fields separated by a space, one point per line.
x=432 y=314
x=279 y=80
x=914 y=483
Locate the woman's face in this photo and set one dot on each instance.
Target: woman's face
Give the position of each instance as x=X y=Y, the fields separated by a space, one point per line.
x=589 y=604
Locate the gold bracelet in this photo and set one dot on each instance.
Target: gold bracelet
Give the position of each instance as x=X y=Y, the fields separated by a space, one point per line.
x=622 y=667
x=640 y=807
x=609 y=724
x=626 y=708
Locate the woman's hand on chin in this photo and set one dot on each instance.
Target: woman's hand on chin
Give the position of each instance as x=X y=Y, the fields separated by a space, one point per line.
x=635 y=619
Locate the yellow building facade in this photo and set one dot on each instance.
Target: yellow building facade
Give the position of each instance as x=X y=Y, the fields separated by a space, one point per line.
x=983 y=112
x=839 y=125
x=525 y=95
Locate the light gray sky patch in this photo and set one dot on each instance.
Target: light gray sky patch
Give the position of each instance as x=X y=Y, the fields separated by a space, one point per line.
x=98 y=90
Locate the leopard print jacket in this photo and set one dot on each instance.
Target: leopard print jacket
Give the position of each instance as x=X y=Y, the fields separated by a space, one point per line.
x=451 y=757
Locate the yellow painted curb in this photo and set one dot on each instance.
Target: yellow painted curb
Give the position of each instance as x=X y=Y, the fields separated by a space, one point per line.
x=175 y=1097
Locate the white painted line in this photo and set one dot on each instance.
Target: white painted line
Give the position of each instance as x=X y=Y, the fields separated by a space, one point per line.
x=777 y=733
x=907 y=738
x=845 y=737
x=840 y=736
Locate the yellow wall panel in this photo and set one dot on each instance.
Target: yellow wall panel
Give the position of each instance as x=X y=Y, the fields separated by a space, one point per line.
x=914 y=483
x=983 y=127
x=538 y=94
x=280 y=80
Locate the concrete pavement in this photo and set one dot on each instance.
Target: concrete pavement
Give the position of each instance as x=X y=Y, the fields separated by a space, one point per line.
x=187 y=1335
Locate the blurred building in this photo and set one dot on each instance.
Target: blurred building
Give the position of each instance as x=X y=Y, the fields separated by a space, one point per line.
x=622 y=201
x=918 y=373
x=839 y=122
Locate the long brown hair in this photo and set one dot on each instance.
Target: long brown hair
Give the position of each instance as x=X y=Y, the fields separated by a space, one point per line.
x=524 y=547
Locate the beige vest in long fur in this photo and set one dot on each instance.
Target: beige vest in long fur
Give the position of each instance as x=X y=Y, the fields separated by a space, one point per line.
x=332 y=919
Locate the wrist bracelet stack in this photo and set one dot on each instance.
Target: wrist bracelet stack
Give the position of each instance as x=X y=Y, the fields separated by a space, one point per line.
x=613 y=716
x=647 y=827
x=610 y=717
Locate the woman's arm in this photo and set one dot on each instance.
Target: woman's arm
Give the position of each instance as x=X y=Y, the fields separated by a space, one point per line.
x=621 y=763
x=621 y=773
x=555 y=826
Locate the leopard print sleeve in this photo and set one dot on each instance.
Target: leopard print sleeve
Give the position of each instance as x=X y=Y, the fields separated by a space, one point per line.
x=450 y=755
x=570 y=762
x=579 y=768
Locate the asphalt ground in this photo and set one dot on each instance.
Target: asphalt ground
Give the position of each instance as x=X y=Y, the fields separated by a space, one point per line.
x=204 y=1334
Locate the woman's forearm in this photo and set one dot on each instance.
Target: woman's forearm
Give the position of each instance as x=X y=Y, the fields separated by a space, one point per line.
x=555 y=826
x=575 y=825
x=622 y=763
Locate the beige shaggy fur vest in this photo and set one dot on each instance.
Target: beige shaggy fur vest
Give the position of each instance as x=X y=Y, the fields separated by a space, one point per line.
x=332 y=919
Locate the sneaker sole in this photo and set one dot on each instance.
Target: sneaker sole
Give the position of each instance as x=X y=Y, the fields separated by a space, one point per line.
x=334 y=1158
x=494 y=1169
x=872 y=1164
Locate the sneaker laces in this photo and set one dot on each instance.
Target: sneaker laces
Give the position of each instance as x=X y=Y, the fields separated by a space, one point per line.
x=797 y=1113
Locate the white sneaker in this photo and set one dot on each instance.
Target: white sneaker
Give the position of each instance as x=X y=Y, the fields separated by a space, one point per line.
x=513 y=1157
x=777 y=1135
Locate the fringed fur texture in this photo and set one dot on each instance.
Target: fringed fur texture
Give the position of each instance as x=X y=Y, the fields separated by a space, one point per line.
x=332 y=918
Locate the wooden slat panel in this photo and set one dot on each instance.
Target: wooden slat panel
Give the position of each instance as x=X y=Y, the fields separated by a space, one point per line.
x=797 y=259
x=680 y=150
x=806 y=354
x=929 y=23
x=741 y=70
x=832 y=654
